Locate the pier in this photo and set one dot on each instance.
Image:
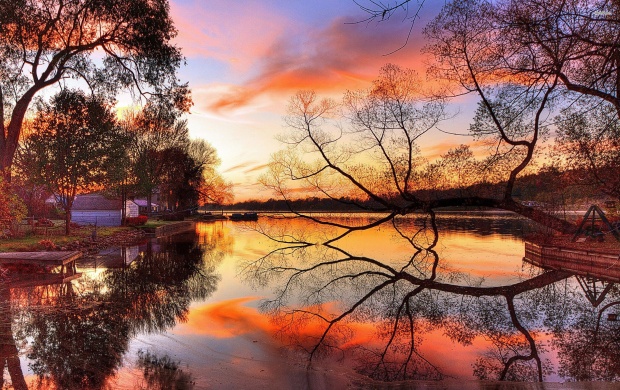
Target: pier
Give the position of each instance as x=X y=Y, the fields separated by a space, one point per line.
x=591 y=263
x=47 y=260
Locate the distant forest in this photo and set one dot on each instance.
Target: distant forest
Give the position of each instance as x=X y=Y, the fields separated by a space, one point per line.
x=549 y=189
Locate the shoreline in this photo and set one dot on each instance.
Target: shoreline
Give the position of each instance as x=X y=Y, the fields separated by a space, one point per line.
x=90 y=241
x=117 y=239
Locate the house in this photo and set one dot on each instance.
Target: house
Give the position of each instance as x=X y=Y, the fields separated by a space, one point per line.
x=142 y=205
x=95 y=209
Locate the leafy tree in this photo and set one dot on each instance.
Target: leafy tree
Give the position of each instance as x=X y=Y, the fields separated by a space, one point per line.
x=25 y=180
x=190 y=176
x=155 y=133
x=44 y=42
x=165 y=159
x=209 y=186
x=76 y=141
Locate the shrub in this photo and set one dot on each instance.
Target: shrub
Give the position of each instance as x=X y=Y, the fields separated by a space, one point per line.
x=178 y=216
x=47 y=245
x=136 y=221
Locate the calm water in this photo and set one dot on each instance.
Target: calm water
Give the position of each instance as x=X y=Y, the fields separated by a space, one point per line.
x=238 y=305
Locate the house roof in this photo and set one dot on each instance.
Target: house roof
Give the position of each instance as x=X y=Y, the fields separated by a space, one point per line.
x=96 y=202
x=143 y=203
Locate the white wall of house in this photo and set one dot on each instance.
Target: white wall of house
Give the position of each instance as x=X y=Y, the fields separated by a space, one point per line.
x=131 y=209
x=99 y=217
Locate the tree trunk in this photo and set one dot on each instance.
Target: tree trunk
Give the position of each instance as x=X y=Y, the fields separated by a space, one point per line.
x=124 y=205
x=67 y=221
x=149 y=196
x=9 y=354
x=10 y=138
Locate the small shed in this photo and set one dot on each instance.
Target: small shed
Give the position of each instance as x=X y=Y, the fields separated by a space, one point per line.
x=96 y=209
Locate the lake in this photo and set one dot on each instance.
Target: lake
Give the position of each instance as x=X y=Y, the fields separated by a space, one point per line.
x=418 y=303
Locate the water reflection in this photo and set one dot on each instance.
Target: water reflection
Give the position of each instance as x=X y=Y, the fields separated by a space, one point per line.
x=418 y=303
x=76 y=334
x=416 y=299
x=9 y=354
x=162 y=373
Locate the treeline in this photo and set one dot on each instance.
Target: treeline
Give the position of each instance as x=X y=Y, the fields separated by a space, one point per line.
x=549 y=187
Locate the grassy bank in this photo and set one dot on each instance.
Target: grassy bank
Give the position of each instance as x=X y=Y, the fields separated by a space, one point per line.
x=152 y=224
x=39 y=242
x=44 y=239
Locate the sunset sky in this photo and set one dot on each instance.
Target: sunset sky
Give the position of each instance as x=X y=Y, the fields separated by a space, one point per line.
x=246 y=59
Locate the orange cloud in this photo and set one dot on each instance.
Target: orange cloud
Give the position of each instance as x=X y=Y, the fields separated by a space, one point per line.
x=339 y=57
x=227 y=319
x=435 y=151
x=242 y=166
x=231 y=318
x=256 y=168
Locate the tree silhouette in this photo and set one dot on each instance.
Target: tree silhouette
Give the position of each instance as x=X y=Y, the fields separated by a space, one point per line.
x=558 y=59
x=372 y=161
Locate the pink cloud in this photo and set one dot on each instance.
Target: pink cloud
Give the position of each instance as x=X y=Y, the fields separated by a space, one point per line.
x=247 y=167
x=233 y=32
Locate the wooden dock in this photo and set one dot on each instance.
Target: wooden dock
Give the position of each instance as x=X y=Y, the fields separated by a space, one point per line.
x=37 y=280
x=64 y=259
x=595 y=264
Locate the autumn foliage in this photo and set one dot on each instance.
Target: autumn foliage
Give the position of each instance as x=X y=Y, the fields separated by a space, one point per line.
x=12 y=209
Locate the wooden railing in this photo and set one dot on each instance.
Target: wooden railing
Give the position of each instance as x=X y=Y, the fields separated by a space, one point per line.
x=584 y=262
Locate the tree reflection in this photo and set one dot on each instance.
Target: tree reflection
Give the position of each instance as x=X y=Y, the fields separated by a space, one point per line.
x=8 y=348
x=323 y=293
x=78 y=337
x=589 y=350
x=162 y=373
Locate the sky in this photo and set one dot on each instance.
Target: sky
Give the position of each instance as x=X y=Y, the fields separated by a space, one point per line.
x=245 y=59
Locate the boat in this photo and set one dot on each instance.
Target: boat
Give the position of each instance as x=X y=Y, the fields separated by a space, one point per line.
x=244 y=217
x=212 y=217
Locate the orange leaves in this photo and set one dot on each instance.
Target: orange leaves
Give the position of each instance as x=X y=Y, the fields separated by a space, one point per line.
x=12 y=209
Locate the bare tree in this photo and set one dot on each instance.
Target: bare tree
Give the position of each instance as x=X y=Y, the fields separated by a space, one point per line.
x=563 y=52
x=371 y=158
x=588 y=143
